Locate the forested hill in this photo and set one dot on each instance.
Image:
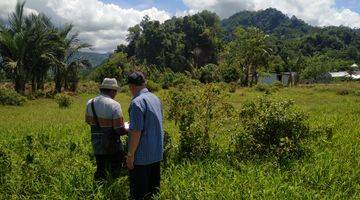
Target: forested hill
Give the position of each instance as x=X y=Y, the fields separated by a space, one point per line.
x=95 y=59
x=271 y=21
x=335 y=42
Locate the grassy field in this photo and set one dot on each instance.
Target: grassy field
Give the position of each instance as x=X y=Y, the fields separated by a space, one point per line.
x=45 y=153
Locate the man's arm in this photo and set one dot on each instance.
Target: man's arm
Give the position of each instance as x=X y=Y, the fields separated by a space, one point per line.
x=135 y=129
x=118 y=121
x=88 y=118
x=133 y=144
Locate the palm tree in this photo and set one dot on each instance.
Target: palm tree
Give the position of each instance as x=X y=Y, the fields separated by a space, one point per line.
x=72 y=73
x=13 y=47
x=42 y=56
x=70 y=45
x=28 y=47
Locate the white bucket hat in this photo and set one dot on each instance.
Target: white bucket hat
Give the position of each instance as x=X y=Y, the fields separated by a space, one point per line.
x=109 y=83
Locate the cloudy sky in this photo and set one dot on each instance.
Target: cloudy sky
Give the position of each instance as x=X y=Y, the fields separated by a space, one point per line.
x=104 y=23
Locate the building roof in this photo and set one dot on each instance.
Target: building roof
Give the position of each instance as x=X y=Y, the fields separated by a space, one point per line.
x=339 y=74
x=345 y=74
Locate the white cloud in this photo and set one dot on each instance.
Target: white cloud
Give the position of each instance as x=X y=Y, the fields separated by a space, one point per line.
x=105 y=25
x=102 y=25
x=315 y=12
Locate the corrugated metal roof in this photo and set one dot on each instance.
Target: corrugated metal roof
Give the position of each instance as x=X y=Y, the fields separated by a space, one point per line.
x=339 y=74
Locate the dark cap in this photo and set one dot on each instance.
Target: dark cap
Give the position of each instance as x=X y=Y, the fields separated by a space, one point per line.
x=136 y=78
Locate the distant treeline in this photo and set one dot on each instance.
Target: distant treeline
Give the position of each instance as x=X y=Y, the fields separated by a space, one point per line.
x=248 y=41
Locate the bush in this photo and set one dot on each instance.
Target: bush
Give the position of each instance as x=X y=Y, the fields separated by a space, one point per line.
x=89 y=87
x=179 y=80
x=152 y=86
x=209 y=73
x=11 y=97
x=263 y=88
x=64 y=100
x=107 y=71
x=357 y=92
x=199 y=113
x=271 y=128
x=343 y=92
x=278 y=84
x=232 y=87
x=230 y=74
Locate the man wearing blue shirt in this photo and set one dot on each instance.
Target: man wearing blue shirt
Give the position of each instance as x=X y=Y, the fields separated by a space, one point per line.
x=145 y=143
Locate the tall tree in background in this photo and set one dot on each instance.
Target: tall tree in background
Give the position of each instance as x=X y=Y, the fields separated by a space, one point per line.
x=179 y=43
x=249 y=51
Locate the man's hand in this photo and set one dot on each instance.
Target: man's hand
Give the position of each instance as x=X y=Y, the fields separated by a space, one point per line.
x=133 y=144
x=130 y=162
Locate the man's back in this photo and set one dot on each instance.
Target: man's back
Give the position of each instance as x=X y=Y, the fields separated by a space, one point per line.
x=109 y=117
x=146 y=116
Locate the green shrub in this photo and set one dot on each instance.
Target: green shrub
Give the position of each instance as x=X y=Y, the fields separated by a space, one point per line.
x=179 y=80
x=11 y=97
x=357 y=92
x=278 y=84
x=107 y=71
x=271 y=128
x=230 y=74
x=232 y=87
x=64 y=100
x=343 y=92
x=89 y=87
x=209 y=73
x=152 y=86
x=199 y=113
x=263 y=88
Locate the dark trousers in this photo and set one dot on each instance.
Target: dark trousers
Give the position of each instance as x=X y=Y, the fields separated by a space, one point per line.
x=145 y=181
x=108 y=166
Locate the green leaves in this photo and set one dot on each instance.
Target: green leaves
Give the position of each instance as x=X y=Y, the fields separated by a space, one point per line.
x=272 y=128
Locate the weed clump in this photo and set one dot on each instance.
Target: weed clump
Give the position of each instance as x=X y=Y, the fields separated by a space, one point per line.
x=63 y=100
x=10 y=97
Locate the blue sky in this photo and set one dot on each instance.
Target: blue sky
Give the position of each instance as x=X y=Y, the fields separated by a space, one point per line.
x=353 y=5
x=173 y=6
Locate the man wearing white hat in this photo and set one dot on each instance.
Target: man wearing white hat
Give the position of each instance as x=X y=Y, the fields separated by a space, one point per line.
x=105 y=117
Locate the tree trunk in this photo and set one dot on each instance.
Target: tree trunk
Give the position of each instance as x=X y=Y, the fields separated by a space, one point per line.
x=40 y=83
x=249 y=79
x=58 y=84
x=20 y=79
x=33 y=85
x=20 y=84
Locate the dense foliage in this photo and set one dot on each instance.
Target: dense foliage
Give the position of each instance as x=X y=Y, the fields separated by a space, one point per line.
x=10 y=97
x=242 y=46
x=178 y=43
x=31 y=45
x=272 y=128
x=199 y=113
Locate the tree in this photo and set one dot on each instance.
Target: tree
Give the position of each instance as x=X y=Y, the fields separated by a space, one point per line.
x=69 y=44
x=13 y=47
x=315 y=68
x=179 y=43
x=72 y=74
x=249 y=51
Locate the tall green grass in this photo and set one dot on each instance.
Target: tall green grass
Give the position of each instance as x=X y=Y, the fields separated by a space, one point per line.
x=45 y=153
